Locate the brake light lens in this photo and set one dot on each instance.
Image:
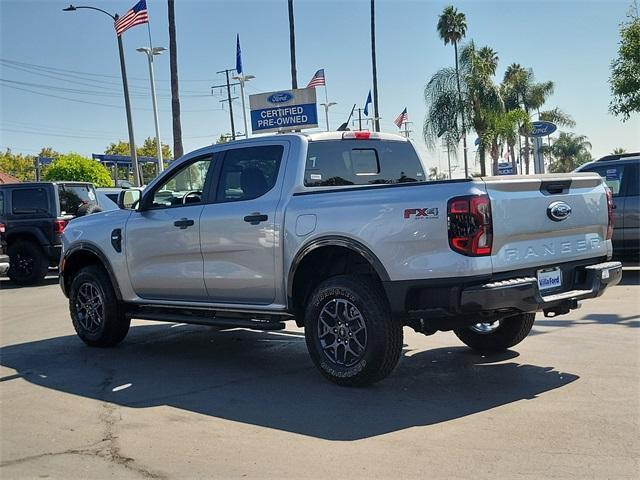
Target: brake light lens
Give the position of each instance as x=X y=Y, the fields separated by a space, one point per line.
x=470 y=225
x=360 y=135
x=3 y=229
x=610 y=214
x=59 y=226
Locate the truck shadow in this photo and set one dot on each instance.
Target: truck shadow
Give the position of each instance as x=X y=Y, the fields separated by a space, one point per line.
x=268 y=379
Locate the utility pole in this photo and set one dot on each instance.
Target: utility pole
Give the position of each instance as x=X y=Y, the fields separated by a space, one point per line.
x=375 y=70
x=229 y=99
x=150 y=52
x=292 y=46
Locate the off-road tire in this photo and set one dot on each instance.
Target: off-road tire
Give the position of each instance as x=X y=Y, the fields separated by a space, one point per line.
x=114 y=325
x=510 y=332
x=383 y=344
x=28 y=264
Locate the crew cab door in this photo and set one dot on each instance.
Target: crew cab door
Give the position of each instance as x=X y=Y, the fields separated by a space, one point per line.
x=162 y=238
x=240 y=229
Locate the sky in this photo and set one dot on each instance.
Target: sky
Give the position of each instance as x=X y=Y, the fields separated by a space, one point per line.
x=80 y=106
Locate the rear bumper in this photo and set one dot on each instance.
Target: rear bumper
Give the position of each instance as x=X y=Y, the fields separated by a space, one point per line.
x=4 y=264
x=499 y=295
x=523 y=293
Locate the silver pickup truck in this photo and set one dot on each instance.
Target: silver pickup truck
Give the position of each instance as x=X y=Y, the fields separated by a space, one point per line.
x=343 y=233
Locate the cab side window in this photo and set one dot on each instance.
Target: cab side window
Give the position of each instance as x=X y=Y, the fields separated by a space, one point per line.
x=185 y=187
x=249 y=173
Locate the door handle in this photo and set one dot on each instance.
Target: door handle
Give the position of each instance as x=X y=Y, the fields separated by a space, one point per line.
x=256 y=218
x=183 y=223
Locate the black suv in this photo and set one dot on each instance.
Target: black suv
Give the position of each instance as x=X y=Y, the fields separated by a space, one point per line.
x=33 y=216
x=622 y=174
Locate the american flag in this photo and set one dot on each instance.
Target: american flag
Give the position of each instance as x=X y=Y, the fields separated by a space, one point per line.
x=400 y=119
x=136 y=16
x=317 y=80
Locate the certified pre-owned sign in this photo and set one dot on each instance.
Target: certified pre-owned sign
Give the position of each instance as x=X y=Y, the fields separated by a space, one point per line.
x=284 y=110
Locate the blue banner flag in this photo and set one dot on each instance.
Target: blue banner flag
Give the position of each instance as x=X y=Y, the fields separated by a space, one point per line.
x=238 y=55
x=366 y=104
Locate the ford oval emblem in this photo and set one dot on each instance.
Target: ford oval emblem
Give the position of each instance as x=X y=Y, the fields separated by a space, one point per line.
x=542 y=129
x=558 y=211
x=280 y=97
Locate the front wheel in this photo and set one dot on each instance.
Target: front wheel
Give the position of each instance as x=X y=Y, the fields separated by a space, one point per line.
x=499 y=335
x=349 y=331
x=96 y=314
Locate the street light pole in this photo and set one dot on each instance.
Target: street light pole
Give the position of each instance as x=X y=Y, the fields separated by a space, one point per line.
x=150 y=54
x=326 y=111
x=241 y=80
x=125 y=86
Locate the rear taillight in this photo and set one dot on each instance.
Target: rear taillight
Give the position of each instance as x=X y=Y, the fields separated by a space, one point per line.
x=3 y=229
x=59 y=226
x=360 y=135
x=610 y=214
x=470 y=226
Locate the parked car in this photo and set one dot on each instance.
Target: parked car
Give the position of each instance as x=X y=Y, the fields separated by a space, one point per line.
x=34 y=216
x=341 y=232
x=621 y=173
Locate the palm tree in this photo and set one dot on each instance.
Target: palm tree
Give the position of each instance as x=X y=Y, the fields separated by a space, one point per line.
x=618 y=151
x=175 y=98
x=452 y=27
x=568 y=152
x=484 y=97
x=503 y=131
x=478 y=98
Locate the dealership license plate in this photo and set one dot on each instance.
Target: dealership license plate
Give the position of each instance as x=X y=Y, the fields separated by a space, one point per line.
x=549 y=279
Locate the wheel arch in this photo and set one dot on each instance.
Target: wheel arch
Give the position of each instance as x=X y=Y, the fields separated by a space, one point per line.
x=81 y=256
x=309 y=266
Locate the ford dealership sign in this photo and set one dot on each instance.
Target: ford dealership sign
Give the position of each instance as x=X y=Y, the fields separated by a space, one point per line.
x=541 y=129
x=284 y=111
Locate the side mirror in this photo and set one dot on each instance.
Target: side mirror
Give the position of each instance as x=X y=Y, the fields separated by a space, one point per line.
x=128 y=199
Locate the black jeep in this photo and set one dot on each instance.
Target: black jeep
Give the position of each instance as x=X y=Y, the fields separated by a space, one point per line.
x=33 y=216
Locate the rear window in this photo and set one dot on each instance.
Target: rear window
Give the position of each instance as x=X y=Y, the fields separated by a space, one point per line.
x=612 y=176
x=29 y=200
x=361 y=162
x=73 y=197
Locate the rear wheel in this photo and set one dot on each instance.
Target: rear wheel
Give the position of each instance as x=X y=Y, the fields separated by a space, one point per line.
x=97 y=316
x=499 y=335
x=28 y=264
x=350 y=334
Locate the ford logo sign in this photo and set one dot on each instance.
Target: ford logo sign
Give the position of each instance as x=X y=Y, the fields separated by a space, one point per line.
x=558 y=211
x=542 y=129
x=280 y=97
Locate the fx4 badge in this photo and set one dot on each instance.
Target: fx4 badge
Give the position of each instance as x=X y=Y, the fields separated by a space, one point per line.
x=421 y=212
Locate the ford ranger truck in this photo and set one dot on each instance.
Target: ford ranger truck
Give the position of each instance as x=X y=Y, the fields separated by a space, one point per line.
x=342 y=233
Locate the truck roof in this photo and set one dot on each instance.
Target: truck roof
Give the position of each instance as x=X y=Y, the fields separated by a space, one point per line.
x=324 y=136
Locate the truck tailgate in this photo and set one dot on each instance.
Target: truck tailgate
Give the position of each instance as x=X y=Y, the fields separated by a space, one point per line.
x=528 y=225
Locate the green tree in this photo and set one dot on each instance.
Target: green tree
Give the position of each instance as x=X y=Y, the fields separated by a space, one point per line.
x=481 y=99
x=452 y=27
x=618 y=151
x=74 y=167
x=502 y=132
x=148 y=149
x=222 y=139
x=20 y=166
x=625 y=76
x=568 y=152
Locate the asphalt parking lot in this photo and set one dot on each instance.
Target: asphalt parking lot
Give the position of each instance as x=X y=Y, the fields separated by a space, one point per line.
x=178 y=401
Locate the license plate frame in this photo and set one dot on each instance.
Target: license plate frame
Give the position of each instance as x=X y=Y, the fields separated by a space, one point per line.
x=549 y=279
